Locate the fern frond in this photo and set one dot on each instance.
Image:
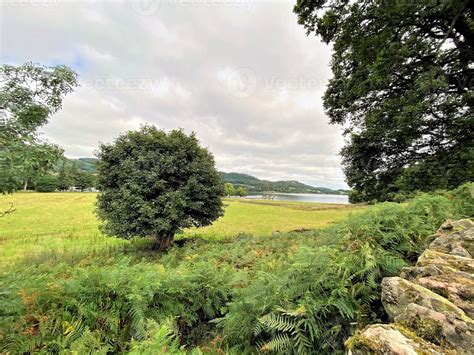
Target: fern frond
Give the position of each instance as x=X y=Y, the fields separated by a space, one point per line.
x=278 y=343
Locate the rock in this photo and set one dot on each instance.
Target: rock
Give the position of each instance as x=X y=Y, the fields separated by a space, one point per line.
x=457 y=289
x=456 y=238
x=398 y=293
x=443 y=329
x=432 y=257
x=389 y=339
x=414 y=272
x=456 y=286
x=432 y=303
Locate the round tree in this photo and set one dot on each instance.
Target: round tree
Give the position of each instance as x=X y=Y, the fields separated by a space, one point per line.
x=154 y=184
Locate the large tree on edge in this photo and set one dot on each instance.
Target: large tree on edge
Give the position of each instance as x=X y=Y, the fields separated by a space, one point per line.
x=402 y=88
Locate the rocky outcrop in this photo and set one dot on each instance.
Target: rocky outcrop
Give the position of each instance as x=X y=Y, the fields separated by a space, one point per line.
x=431 y=304
x=389 y=339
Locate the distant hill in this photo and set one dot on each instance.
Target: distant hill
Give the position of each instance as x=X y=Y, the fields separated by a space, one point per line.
x=86 y=165
x=251 y=183
x=255 y=185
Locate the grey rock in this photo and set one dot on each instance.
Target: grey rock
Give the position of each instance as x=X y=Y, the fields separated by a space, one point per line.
x=398 y=293
x=443 y=329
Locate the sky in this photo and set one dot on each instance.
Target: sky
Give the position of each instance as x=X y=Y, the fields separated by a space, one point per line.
x=242 y=74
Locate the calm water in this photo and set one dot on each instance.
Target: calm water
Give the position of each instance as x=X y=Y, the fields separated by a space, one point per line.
x=321 y=198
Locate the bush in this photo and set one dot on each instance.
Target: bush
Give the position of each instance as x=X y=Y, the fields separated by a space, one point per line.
x=48 y=183
x=155 y=183
x=463 y=200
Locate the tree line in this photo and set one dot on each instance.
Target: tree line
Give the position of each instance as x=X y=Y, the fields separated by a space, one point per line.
x=233 y=190
x=68 y=178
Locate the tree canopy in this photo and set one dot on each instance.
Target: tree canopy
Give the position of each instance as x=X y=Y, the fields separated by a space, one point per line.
x=154 y=183
x=402 y=88
x=29 y=95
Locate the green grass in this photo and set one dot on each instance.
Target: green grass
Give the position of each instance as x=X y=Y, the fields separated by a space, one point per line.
x=66 y=288
x=58 y=223
x=262 y=218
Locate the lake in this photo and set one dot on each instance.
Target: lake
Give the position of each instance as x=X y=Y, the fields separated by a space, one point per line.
x=321 y=198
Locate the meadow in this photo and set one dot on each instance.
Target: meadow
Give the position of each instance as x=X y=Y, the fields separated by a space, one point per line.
x=267 y=277
x=54 y=223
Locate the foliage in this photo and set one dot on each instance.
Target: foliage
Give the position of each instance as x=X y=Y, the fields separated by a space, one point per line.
x=156 y=183
x=83 y=180
x=241 y=191
x=71 y=176
x=231 y=190
x=87 y=165
x=161 y=339
x=402 y=87
x=314 y=303
x=113 y=304
x=65 y=180
x=47 y=183
x=463 y=200
x=30 y=94
x=297 y=292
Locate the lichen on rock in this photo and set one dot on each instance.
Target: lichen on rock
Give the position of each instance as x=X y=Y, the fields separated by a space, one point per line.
x=456 y=238
x=388 y=339
x=443 y=329
x=398 y=293
x=431 y=303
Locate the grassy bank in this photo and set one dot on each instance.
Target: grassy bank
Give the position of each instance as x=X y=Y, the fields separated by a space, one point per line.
x=63 y=222
x=290 y=292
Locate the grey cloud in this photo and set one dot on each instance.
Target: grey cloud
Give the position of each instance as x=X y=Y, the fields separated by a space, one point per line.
x=181 y=66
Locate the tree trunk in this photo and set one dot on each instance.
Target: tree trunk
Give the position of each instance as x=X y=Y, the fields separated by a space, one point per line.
x=25 y=186
x=165 y=242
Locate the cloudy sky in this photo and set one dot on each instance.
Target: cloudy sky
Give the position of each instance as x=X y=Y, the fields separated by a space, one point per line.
x=242 y=74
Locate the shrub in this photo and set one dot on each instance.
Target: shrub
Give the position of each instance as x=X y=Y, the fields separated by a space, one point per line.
x=47 y=183
x=463 y=200
x=155 y=183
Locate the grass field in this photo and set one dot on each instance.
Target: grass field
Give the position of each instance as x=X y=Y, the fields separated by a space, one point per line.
x=66 y=288
x=60 y=222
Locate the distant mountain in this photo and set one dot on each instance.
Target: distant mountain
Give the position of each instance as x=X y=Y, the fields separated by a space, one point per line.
x=254 y=185
x=251 y=183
